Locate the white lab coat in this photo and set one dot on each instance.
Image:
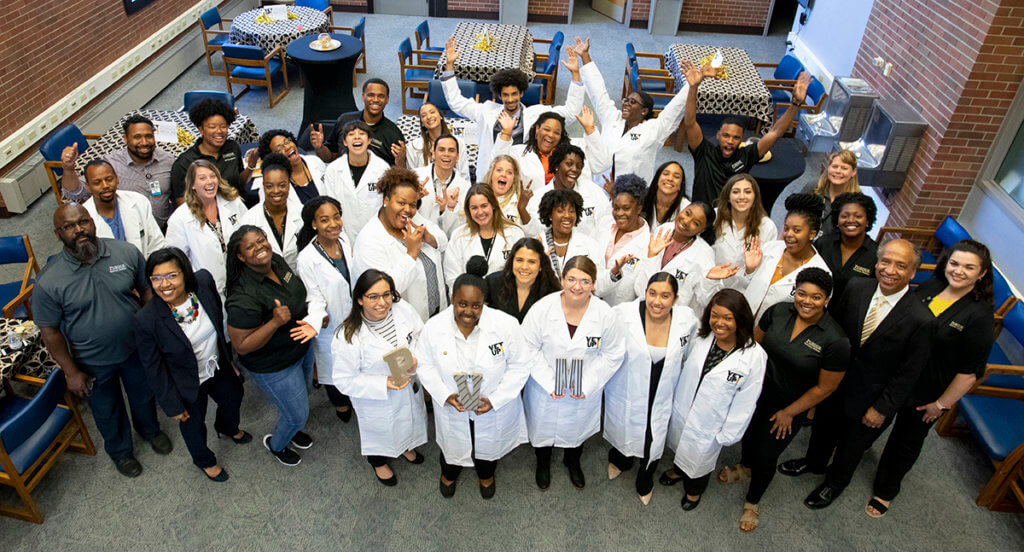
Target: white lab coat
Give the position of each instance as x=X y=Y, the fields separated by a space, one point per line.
x=757 y=287
x=568 y=422
x=329 y=294
x=317 y=168
x=689 y=268
x=623 y=290
x=375 y=248
x=414 y=155
x=729 y=247
x=140 y=227
x=428 y=209
x=582 y=244
x=634 y=151
x=200 y=242
x=486 y=115
x=628 y=392
x=503 y=360
x=464 y=245
x=509 y=205
x=292 y=225
x=360 y=201
x=390 y=421
x=715 y=414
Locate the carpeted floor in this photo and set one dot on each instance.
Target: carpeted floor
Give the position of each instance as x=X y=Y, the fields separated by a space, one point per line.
x=332 y=501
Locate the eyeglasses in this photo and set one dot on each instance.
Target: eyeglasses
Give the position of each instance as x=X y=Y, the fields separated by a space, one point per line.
x=72 y=226
x=285 y=143
x=583 y=282
x=632 y=101
x=374 y=297
x=157 y=278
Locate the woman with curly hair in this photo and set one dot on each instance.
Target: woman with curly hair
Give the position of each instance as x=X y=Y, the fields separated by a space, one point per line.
x=625 y=240
x=307 y=170
x=213 y=119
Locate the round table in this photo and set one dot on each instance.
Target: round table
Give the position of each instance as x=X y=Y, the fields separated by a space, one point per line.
x=327 y=77
x=786 y=165
x=245 y=29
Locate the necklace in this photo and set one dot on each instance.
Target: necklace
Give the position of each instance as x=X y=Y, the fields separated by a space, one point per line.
x=191 y=311
x=559 y=244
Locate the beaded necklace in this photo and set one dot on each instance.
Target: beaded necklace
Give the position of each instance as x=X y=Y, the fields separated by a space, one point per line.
x=191 y=312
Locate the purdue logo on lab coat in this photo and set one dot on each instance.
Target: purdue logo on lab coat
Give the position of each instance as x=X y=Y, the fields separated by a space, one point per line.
x=634 y=137
x=681 y=276
x=683 y=339
x=504 y=253
x=633 y=262
x=497 y=348
x=233 y=219
x=593 y=342
x=733 y=377
x=588 y=211
x=408 y=338
x=372 y=187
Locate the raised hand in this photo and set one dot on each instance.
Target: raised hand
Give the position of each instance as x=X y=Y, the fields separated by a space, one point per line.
x=450 y=54
x=609 y=186
x=452 y=199
x=316 y=136
x=586 y=119
x=302 y=332
x=572 y=61
x=507 y=122
x=442 y=203
x=413 y=236
x=423 y=185
x=800 y=88
x=524 y=197
x=69 y=156
x=282 y=314
x=753 y=255
x=659 y=241
x=398 y=151
x=251 y=158
x=617 y=267
x=581 y=46
x=722 y=272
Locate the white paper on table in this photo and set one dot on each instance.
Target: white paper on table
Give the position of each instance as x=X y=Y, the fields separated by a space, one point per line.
x=716 y=61
x=278 y=12
x=166 y=132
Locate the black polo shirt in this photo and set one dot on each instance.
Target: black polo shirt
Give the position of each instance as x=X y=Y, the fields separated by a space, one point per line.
x=96 y=303
x=383 y=135
x=228 y=162
x=794 y=366
x=861 y=263
x=711 y=169
x=250 y=305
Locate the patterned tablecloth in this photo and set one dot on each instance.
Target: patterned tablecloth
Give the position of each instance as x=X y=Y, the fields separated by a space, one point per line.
x=463 y=128
x=243 y=131
x=743 y=93
x=513 y=49
x=245 y=30
x=31 y=359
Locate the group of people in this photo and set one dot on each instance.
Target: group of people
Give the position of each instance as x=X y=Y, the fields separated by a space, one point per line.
x=571 y=294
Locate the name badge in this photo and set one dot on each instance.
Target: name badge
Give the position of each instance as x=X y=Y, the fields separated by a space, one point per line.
x=956 y=326
x=154 y=187
x=861 y=270
x=287 y=277
x=812 y=346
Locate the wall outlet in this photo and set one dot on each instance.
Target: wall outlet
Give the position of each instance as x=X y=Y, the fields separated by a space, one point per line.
x=879 y=61
x=887 y=70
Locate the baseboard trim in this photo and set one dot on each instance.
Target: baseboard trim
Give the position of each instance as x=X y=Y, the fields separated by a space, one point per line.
x=711 y=28
x=352 y=9
x=545 y=18
x=467 y=14
x=637 y=23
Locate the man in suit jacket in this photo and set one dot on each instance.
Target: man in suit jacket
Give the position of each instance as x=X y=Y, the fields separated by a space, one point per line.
x=890 y=335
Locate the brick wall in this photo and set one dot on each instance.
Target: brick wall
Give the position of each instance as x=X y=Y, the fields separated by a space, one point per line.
x=640 y=13
x=548 y=10
x=477 y=6
x=349 y=5
x=91 y=34
x=960 y=71
x=730 y=13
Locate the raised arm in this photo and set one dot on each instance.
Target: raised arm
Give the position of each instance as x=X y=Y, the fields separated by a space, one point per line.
x=593 y=82
x=694 y=76
x=466 y=107
x=779 y=128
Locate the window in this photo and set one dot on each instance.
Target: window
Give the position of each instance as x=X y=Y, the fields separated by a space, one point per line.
x=1010 y=176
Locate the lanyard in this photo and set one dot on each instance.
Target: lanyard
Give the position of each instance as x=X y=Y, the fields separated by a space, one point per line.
x=320 y=249
x=217 y=232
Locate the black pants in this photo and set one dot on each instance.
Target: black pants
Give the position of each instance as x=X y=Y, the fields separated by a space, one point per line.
x=336 y=397
x=226 y=390
x=484 y=469
x=826 y=431
x=694 y=486
x=856 y=439
x=761 y=450
x=644 y=474
x=378 y=461
x=901 y=451
x=107 y=404
x=570 y=456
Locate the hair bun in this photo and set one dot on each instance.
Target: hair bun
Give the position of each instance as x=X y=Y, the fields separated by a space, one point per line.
x=808 y=203
x=477 y=266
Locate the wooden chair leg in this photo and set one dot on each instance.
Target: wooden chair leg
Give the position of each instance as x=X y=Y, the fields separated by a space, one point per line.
x=31 y=512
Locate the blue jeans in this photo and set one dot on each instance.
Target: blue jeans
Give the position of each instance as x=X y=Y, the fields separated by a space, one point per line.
x=108 y=407
x=288 y=389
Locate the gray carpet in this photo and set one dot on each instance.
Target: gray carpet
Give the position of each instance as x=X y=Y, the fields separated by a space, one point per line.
x=332 y=502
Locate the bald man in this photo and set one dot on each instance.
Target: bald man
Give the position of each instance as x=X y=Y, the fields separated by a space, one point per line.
x=890 y=337
x=84 y=302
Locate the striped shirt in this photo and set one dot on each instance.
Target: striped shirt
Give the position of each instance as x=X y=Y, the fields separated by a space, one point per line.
x=385 y=329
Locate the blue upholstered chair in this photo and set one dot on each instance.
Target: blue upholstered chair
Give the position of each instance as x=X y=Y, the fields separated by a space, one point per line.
x=53 y=145
x=785 y=74
x=423 y=43
x=634 y=57
x=660 y=97
x=193 y=97
x=322 y=5
x=415 y=77
x=546 y=63
x=34 y=432
x=248 y=65
x=214 y=36
x=814 y=101
x=14 y=296
x=435 y=96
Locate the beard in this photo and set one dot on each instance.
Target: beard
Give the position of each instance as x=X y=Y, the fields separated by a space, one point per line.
x=84 y=252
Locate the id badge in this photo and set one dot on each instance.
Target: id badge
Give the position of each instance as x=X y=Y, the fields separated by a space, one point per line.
x=154 y=187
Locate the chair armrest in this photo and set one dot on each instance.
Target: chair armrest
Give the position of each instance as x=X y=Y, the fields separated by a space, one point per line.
x=17 y=301
x=419 y=66
x=659 y=57
x=766 y=65
x=653 y=71
x=979 y=387
x=223 y=21
x=926 y=267
x=660 y=94
x=349 y=29
x=915 y=231
x=779 y=82
x=660 y=78
x=277 y=51
x=92 y=136
x=31 y=380
x=216 y=31
x=542 y=40
x=427 y=52
x=778 y=87
x=540 y=57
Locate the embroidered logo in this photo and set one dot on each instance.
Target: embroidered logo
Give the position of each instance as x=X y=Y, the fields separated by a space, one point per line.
x=593 y=342
x=812 y=346
x=862 y=270
x=512 y=218
x=733 y=377
x=683 y=340
x=634 y=137
x=681 y=276
x=505 y=254
x=233 y=219
x=497 y=348
x=956 y=326
x=117 y=268
x=737 y=166
x=633 y=262
x=287 y=277
x=588 y=211
x=371 y=187
x=408 y=338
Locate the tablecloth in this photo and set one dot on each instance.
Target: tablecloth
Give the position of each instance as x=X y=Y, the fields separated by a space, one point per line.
x=513 y=49
x=245 y=30
x=463 y=128
x=743 y=93
x=31 y=359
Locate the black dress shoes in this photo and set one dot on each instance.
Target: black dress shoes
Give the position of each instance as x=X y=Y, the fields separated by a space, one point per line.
x=576 y=474
x=543 y=476
x=161 y=443
x=447 y=491
x=822 y=497
x=488 y=492
x=128 y=467
x=344 y=416
x=669 y=480
x=797 y=467
x=688 y=504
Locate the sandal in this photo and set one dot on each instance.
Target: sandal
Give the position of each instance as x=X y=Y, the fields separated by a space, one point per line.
x=732 y=474
x=749 y=516
x=876 y=503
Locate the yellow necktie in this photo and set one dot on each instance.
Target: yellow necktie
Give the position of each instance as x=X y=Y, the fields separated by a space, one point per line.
x=872 y=320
